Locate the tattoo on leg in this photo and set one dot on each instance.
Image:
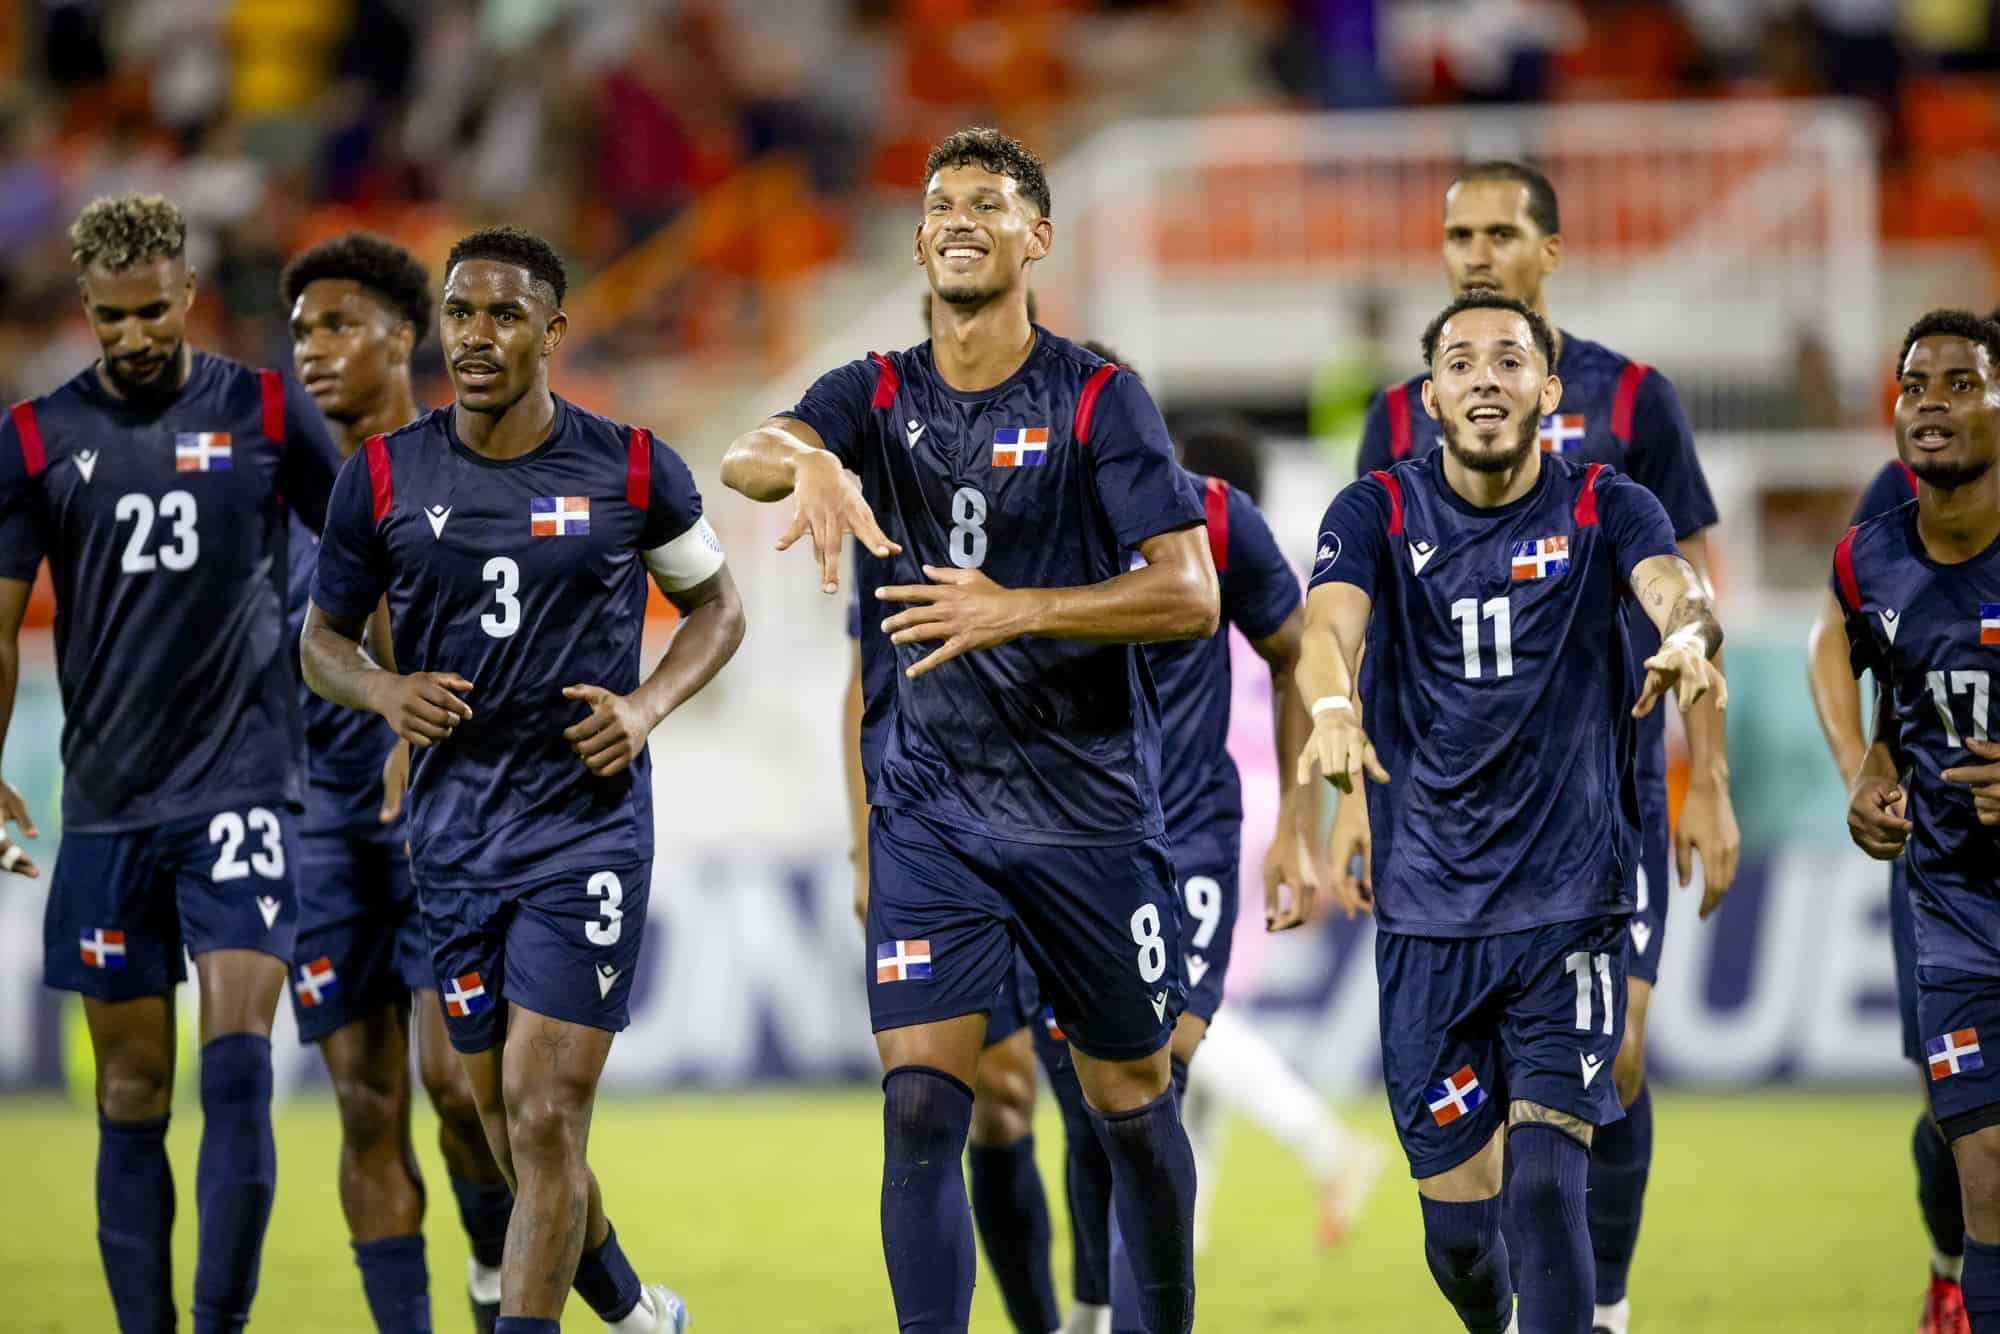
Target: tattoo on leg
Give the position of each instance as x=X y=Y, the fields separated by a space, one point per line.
x=1523 y=1112
x=552 y=1042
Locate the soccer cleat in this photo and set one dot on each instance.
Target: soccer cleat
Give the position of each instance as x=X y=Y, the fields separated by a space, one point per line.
x=1342 y=1194
x=670 y=1313
x=1944 y=1309
x=1613 y=1319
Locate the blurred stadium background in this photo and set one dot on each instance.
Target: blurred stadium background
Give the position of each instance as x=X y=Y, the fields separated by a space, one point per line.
x=1758 y=196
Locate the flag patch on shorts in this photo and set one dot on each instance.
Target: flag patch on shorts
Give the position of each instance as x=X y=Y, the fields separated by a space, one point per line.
x=1455 y=1097
x=1954 y=1053
x=465 y=995
x=317 y=982
x=903 y=961
x=103 y=949
x=1049 y=1022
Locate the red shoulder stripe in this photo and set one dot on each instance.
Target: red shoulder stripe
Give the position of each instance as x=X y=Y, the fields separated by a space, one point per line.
x=1908 y=475
x=886 y=381
x=1215 y=507
x=31 y=436
x=1843 y=572
x=1626 y=397
x=1398 y=404
x=1086 y=402
x=638 y=467
x=1586 y=499
x=378 y=476
x=1395 y=490
x=271 y=388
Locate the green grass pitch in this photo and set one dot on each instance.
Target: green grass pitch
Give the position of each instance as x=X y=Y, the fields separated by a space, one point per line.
x=1769 y=1212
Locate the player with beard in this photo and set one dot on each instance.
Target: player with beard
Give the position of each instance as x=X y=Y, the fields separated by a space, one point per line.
x=1919 y=590
x=513 y=534
x=359 y=307
x=1015 y=801
x=159 y=483
x=1503 y=233
x=1487 y=580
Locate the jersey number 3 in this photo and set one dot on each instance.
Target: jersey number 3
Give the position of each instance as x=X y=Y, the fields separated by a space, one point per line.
x=505 y=618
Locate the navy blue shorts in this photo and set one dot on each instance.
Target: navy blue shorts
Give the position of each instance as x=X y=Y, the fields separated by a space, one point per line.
x=1470 y=1025
x=123 y=907
x=361 y=944
x=1953 y=1010
x=1647 y=933
x=1098 y=926
x=1903 y=948
x=564 y=947
x=1016 y=1004
x=1208 y=925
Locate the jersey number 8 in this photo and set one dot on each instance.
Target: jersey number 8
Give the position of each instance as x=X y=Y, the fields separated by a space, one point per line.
x=968 y=528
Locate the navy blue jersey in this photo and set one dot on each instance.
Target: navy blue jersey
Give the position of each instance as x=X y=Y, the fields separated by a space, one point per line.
x=1931 y=635
x=1045 y=480
x=524 y=576
x=166 y=533
x=1200 y=792
x=1894 y=486
x=345 y=748
x=1497 y=692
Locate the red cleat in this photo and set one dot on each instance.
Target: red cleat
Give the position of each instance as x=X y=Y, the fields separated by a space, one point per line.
x=1944 y=1309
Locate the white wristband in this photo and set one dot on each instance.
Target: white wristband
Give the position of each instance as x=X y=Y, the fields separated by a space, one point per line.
x=1690 y=636
x=11 y=858
x=1325 y=702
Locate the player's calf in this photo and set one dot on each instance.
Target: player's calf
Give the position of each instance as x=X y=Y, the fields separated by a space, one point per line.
x=237 y=1172
x=381 y=1191
x=133 y=1044
x=1463 y=1241
x=1978 y=1153
x=550 y=1070
x=1008 y=1203
x=1138 y=1122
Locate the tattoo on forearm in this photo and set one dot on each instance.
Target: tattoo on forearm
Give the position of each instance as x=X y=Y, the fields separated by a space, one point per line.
x=1693 y=612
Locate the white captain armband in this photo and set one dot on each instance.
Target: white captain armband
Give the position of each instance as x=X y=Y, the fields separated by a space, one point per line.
x=1327 y=702
x=689 y=559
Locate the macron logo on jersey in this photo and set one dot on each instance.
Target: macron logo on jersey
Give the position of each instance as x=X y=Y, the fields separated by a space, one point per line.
x=466 y=995
x=202 y=451
x=1561 y=432
x=1989 y=622
x=437 y=514
x=103 y=949
x=317 y=981
x=1020 y=446
x=1540 y=558
x=1954 y=1053
x=1457 y=1096
x=1890 y=620
x=1420 y=555
x=559 y=516
x=903 y=961
x=86 y=462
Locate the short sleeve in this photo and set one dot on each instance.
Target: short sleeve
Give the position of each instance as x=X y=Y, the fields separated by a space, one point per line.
x=1634 y=520
x=21 y=546
x=1375 y=454
x=1662 y=458
x=1354 y=536
x=838 y=404
x=310 y=460
x=678 y=545
x=353 y=568
x=1145 y=491
x=1259 y=589
x=1893 y=486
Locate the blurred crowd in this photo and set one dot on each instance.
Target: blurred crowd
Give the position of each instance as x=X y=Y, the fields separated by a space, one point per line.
x=706 y=153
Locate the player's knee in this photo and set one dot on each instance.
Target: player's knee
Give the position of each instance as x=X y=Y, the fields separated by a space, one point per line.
x=1978 y=1158
x=924 y=1115
x=1456 y=1250
x=450 y=1093
x=134 y=1082
x=546 y=1127
x=1003 y=1107
x=371 y=1110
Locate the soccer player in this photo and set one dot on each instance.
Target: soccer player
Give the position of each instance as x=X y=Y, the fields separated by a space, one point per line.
x=1919 y=591
x=359 y=307
x=513 y=533
x=1836 y=697
x=1016 y=796
x=157 y=483
x=1503 y=233
x=1486 y=581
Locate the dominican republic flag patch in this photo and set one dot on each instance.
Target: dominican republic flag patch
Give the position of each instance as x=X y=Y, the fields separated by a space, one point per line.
x=201 y=451
x=1954 y=1053
x=1020 y=446
x=1455 y=1097
x=903 y=961
x=1049 y=1022
x=317 y=982
x=1561 y=432
x=1989 y=622
x=466 y=995
x=559 y=516
x=103 y=949
x=1540 y=558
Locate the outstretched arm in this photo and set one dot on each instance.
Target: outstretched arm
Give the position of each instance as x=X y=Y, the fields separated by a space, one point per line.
x=1174 y=595
x=1677 y=602
x=1337 y=748
x=786 y=457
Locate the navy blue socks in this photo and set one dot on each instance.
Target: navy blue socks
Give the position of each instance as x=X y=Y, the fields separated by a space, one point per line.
x=606 y=1280
x=1937 y=1190
x=1468 y=1258
x=484 y=1209
x=1012 y=1211
x=397 y=1283
x=235 y=1179
x=1981 y=1286
x=1546 y=1196
x=926 y=1223
x=1621 y=1156
x=1152 y=1194
x=1087 y=1183
x=135 y=1222
x=527 y=1324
